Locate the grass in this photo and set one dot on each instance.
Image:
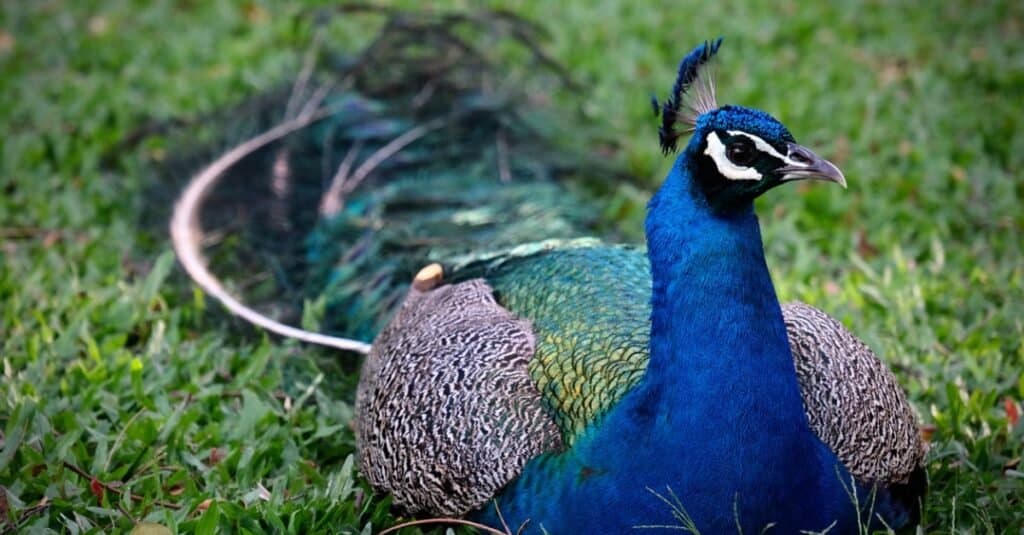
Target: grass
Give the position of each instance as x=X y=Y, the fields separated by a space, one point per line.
x=125 y=398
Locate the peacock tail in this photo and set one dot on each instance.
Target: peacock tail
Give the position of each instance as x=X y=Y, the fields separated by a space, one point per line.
x=498 y=373
x=359 y=176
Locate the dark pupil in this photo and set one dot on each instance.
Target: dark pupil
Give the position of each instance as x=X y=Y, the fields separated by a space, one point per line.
x=740 y=152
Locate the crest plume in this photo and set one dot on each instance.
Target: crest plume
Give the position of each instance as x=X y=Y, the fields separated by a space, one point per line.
x=692 y=95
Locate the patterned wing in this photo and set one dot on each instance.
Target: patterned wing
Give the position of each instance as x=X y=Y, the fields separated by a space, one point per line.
x=447 y=412
x=590 y=311
x=854 y=403
x=589 y=308
x=524 y=362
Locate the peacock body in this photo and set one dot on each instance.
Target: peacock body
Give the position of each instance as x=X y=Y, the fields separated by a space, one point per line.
x=571 y=385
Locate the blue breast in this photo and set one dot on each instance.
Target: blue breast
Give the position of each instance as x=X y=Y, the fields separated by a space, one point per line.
x=715 y=432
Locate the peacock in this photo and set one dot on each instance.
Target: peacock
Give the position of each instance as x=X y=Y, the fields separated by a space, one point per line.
x=523 y=372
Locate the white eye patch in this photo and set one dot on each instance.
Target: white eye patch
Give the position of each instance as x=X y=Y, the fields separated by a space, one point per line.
x=766 y=148
x=716 y=150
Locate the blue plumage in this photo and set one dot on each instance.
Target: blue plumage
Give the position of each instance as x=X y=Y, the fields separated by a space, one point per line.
x=718 y=415
x=577 y=387
x=717 y=420
x=747 y=120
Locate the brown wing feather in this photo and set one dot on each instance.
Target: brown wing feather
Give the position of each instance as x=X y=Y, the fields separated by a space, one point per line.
x=853 y=401
x=447 y=413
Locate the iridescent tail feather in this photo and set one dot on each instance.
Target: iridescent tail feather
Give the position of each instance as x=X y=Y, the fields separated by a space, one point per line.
x=417 y=149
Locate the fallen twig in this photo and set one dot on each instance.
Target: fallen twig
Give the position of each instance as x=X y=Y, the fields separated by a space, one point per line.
x=115 y=490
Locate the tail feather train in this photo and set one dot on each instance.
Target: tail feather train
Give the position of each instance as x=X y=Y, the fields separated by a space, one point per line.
x=416 y=150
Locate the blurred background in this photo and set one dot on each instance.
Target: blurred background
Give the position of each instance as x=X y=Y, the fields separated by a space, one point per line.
x=127 y=398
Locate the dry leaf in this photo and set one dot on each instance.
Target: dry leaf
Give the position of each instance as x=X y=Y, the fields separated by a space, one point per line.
x=150 y=528
x=262 y=491
x=927 y=432
x=50 y=238
x=1012 y=411
x=97 y=490
x=864 y=247
x=216 y=456
x=98 y=25
x=6 y=41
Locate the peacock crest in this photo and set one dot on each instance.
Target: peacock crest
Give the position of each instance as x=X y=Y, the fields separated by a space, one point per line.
x=692 y=95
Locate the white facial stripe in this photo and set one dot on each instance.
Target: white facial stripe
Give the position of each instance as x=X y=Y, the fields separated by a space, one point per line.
x=763 y=146
x=729 y=170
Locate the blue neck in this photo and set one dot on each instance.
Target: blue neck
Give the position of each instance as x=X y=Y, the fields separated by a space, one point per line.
x=721 y=378
x=717 y=419
x=716 y=324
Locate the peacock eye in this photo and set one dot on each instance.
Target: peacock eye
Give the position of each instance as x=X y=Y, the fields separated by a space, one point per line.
x=741 y=152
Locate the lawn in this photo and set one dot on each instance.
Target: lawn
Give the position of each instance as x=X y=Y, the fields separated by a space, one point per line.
x=127 y=397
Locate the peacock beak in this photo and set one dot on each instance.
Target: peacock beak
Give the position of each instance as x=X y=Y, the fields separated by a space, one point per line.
x=804 y=164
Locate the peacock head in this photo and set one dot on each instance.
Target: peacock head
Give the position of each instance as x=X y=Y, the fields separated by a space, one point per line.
x=735 y=153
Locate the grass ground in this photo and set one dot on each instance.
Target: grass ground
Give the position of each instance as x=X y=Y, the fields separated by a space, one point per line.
x=125 y=399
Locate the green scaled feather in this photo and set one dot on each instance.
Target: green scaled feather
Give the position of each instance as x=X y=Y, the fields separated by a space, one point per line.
x=489 y=194
x=485 y=178
x=589 y=306
x=369 y=254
